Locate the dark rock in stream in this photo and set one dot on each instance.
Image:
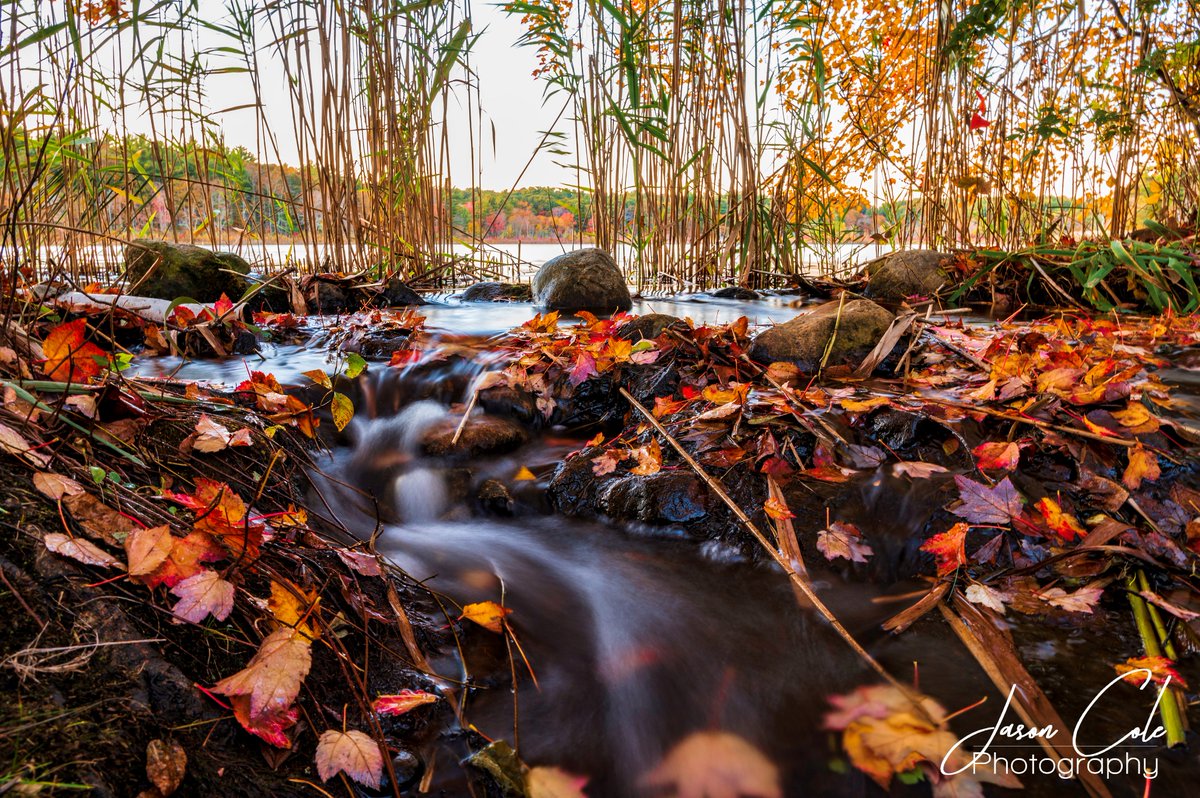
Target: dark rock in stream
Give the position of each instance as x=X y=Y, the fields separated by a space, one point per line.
x=738 y=293
x=498 y=292
x=859 y=324
x=395 y=293
x=668 y=497
x=913 y=272
x=328 y=297
x=494 y=498
x=164 y=270
x=586 y=279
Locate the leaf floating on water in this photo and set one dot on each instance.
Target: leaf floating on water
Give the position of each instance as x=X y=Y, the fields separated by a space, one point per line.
x=917 y=470
x=1082 y=600
x=82 y=550
x=402 y=702
x=715 y=765
x=997 y=505
x=202 y=595
x=1063 y=524
x=1160 y=670
x=986 y=596
x=948 y=548
x=487 y=614
x=843 y=540
x=552 y=782
x=352 y=753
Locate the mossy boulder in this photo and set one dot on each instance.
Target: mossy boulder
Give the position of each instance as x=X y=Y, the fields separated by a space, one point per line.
x=164 y=270
x=859 y=324
x=913 y=272
x=586 y=279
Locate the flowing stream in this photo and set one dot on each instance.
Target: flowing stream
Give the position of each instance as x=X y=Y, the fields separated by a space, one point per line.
x=640 y=637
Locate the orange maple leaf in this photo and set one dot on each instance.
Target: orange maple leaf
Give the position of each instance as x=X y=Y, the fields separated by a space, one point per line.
x=69 y=358
x=948 y=548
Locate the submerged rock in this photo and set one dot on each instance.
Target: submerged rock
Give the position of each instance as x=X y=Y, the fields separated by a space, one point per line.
x=586 y=279
x=859 y=323
x=328 y=297
x=483 y=434
x=737 y=292
x=164 y=270
x=498 y=292
x=914 y=272
x=397 y=294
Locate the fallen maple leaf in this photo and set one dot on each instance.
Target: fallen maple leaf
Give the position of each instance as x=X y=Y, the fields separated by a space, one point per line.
x=352 y=753
x=982 y=594
x=82 y=550
x=146 y=549
x=402 y=702
x=997 y=505
x=605 y=463
x=714 y=764
x=202 y=595
x=295 y=608
x=843 y=540
x=210 y=436
x=776 y=507
x=269 y=726
x=1161 y=669
x=1082 y=600
x=273 y=676
x=551 y=782
x=56 y=486
x=648 y=457
x=14 y=443
x=361 y=562
x=69 y=358
x=1065 y=525
x=997 y=455
x=487 y=614
x=1143 y=466
x=917 y=470
x=585 y=366
x=948 y=548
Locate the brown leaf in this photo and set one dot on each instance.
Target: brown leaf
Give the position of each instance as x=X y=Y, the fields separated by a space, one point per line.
x=146 y=549
x=352 y=753
x=166 y=764
x=98 y=520
x=15 y=444
x=55 y=486
x=273 y=676
x=82 y=550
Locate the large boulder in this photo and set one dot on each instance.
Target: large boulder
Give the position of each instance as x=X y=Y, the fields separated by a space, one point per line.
x=803 y=340
x=396 y=293
x=498 y=292
x=586 y=279
x=913 y=272
x=164 y=270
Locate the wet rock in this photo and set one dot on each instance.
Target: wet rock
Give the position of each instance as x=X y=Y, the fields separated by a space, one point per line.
x=164 y=270
x=586 y=279
x=483 y=434
x=498 y=292
x=503 y=400
x=649 y=326
x=397 y=294
x=662 y=498
x=738 y=293
x=328 y=296
x=914 y=272
x=376 y=344
x=494 y=498
x=803 y=340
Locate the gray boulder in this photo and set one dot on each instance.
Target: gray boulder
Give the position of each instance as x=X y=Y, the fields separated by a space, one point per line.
x=803 y=340
x=498 y=292
x=586 y=279
x=164 y=270
x=913 y=272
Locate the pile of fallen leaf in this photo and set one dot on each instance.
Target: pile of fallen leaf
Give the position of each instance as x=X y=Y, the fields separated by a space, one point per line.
x=187 y=505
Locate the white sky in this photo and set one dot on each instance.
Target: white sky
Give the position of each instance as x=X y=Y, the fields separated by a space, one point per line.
x=512 y=102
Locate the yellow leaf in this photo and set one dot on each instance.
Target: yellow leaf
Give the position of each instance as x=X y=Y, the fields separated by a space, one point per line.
x=487 y=614
x=524 y=475
x=319 y=377
x=295 y=608
x=343 y=410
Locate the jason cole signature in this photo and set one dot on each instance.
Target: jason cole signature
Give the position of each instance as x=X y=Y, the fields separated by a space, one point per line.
x=1090 y=759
